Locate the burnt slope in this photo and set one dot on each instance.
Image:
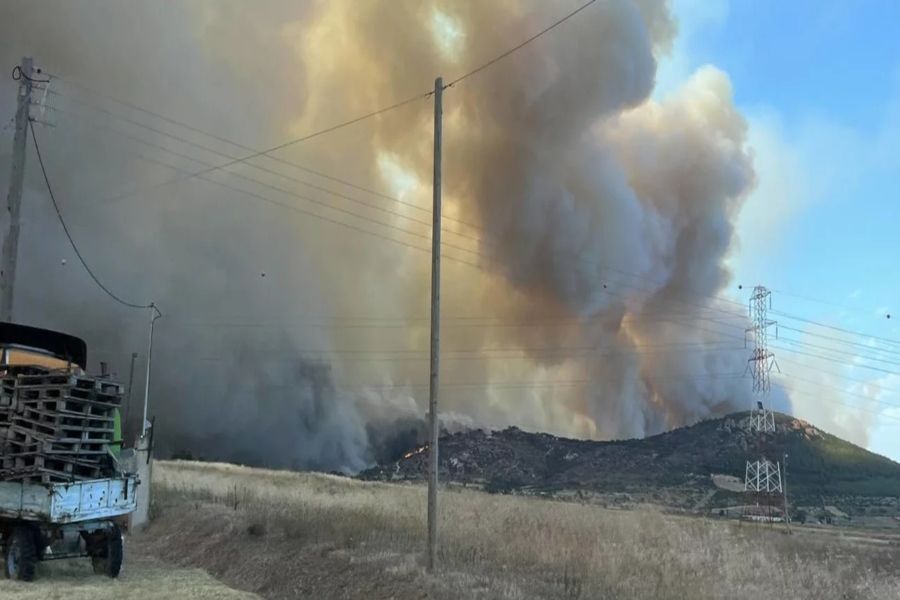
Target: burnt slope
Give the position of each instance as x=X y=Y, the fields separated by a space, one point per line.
x=820 y=465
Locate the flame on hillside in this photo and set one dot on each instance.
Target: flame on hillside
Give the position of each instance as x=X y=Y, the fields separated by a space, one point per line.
x=412 y=453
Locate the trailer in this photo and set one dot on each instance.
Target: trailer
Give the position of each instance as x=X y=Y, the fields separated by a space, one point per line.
x=41 y=522
x=63 y=489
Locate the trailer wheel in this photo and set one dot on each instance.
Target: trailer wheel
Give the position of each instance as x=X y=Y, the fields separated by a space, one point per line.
x=109 y=559
x=21 y=554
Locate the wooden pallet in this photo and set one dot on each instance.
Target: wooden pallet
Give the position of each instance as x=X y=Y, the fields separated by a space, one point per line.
x=55 y=426
x=65 y=379
x=66 y=419
x=18 y=439
x=55 y=392
x=68 y=405
x=61 y=463
x=53 y=431
x=7 y=393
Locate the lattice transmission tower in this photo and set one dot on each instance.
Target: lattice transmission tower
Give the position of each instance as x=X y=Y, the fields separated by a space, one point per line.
x=761 y=475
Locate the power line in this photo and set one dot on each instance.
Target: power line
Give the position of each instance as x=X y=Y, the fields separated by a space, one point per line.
x=337 y=222
x=459 y=322
x=840 y=340
x=277 y=203
x=302 y=182
x=823 y=302
x=842 y=330
x=211 y=167
x=803 y=365
x=837 y=351
x=835 y=360
x=297 y=195
x=293 y=207
x=409 y=100
x=239 y=145
x=283 y=145
x=257 y=153
x=859 y=408
x=481 y=240
x=405 y=353
x=162 y=148
x=69 y=235
x=351 y=213
x=526 y=383
x=93 y=92
x=306 y=183
x=351 y=226
x=537 y=384
x=529 y=356
x=373 y=113
x=403 y=230
x=519 y=46
x=843 y=391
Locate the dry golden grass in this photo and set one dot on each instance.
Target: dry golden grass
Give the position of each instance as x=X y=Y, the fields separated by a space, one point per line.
x=141 y=578
x=492 y=546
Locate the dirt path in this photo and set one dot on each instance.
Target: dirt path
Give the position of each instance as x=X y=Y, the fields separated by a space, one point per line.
x=142 y=577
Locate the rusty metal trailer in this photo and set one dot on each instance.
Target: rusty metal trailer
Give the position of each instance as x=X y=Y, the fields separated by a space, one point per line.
x=46 y=521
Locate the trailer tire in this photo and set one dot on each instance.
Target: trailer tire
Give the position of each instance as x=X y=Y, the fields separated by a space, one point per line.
x=109 y=561
x=21 y=554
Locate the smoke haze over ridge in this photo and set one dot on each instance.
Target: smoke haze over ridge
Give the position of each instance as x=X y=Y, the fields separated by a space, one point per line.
x=586 y=290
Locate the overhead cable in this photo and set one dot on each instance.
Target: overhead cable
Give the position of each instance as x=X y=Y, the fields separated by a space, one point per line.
x=65 y=227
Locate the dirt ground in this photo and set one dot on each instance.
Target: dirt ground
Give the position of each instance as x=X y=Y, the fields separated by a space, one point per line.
x=142 y=577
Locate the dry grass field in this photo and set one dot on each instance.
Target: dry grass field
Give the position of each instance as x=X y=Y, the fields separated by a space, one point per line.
x=143 y=577
x=299 y=535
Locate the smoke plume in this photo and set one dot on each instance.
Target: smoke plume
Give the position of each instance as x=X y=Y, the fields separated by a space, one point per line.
x=587 y=222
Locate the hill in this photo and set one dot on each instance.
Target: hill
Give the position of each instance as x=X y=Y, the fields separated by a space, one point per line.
x=675 y=468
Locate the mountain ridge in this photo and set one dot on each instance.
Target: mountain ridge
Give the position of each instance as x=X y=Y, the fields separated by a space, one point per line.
x=674 y=468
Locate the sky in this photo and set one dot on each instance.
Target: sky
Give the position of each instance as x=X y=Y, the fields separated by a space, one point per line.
x=819 y=84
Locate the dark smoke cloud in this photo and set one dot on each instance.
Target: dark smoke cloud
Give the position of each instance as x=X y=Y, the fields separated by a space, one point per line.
x=599 y=212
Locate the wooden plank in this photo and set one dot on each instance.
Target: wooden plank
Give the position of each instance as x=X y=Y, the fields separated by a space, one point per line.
x=50 y=444
x=59 y=429
x=51 y=392
x=82 y=383
x=72 y=405
x=69 y=420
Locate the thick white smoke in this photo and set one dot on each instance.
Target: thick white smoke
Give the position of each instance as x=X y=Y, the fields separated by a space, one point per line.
x=589 y=223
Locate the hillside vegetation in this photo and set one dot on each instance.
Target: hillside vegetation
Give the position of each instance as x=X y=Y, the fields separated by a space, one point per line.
x=299 y=535
x=670 y=469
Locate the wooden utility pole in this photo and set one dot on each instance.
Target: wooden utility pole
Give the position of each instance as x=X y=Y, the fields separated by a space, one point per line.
x=14 y=197
x=433 y=423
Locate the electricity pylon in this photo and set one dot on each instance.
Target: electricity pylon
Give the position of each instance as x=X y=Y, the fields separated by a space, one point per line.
x=761 y=475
